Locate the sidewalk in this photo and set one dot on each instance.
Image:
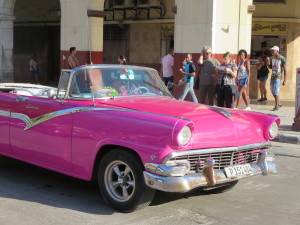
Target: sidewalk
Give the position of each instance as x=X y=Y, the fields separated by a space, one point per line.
x=286 y=115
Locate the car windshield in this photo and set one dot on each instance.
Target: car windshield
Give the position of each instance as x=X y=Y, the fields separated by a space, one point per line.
x=116 y=82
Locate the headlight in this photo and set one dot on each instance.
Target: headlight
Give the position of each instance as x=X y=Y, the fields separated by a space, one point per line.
x=184 y=136
x=273 y=131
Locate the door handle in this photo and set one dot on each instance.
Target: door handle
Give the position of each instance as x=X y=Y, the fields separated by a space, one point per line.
x=21 y=99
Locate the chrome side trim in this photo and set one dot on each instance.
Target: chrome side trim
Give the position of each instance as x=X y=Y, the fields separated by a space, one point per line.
x=4 y=113
x=214 y=150
x=43 y=118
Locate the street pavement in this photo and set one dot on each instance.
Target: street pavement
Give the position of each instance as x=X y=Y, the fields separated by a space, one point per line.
x=33 y=196
x=286 y=115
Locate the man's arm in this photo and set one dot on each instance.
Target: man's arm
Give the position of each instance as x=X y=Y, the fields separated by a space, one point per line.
x=284 y=75
x=200 y=60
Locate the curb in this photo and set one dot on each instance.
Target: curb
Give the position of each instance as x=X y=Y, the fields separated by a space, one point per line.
x=288 y=139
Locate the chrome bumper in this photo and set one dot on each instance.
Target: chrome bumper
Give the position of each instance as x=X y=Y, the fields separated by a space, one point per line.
x=179 y=179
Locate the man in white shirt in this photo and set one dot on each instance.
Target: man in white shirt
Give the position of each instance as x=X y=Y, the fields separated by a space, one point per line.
x=33 y=68
x=166 y=71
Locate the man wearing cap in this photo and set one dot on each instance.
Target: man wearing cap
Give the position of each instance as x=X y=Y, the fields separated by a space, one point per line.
x=278 y=66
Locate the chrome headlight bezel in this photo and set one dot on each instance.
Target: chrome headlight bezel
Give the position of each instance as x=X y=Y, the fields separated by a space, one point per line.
x=273 y=130
x=184 y=136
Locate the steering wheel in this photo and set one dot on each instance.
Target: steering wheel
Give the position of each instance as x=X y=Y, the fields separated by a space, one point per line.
x=143 y=90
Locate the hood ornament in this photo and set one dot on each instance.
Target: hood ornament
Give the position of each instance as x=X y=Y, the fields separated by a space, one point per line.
x=221 y=111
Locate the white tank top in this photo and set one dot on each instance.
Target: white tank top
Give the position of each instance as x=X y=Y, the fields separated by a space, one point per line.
x=242 y=72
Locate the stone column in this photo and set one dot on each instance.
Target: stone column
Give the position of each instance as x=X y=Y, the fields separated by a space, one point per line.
x=6 y=48
x=224 y=25
x=82 y=27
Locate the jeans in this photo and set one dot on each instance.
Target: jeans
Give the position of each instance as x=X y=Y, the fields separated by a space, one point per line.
x=169 y=80
x=188 y=88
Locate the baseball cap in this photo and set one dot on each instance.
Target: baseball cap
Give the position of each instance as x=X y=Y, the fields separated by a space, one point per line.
x=275 y=48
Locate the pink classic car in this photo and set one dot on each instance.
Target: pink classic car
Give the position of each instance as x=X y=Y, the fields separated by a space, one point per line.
x=120 y=126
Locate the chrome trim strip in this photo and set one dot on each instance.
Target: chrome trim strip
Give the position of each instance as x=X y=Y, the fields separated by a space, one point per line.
x=4 y=113
x=43 y=118
x=215 y=150
x=221 y=111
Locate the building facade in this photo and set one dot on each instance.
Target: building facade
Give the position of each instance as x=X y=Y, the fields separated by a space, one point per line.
x=142 y=31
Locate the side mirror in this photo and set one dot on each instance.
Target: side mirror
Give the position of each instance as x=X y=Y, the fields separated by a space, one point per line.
x=51 y=93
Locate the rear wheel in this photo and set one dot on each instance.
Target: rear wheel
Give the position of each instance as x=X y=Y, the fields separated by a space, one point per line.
x=121 y=181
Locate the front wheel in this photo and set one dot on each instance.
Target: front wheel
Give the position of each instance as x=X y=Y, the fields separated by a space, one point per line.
x=121 y=181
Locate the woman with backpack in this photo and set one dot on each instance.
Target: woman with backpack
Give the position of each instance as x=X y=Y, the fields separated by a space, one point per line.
x=243 y=78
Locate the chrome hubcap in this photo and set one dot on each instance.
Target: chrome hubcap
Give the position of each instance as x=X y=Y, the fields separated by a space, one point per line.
x=119 y=181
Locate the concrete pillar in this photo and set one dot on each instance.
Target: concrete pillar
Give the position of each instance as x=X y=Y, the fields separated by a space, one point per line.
x=82 y=27
x=224 y=25
x=6 y=48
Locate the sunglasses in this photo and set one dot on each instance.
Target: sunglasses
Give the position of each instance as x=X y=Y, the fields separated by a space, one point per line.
x=207 y=53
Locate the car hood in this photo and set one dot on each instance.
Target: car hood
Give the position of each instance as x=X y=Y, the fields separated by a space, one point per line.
x=213 y=126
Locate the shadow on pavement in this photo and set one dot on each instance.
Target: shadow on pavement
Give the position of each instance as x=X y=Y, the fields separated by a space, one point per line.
x=26 y=182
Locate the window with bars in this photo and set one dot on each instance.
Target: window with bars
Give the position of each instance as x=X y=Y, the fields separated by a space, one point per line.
x=114 y=33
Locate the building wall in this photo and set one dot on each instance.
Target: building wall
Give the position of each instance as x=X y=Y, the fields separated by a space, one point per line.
x=83 y=32
x=290 y=9
x=6 y=37
x=145 y=43
x=289 y=14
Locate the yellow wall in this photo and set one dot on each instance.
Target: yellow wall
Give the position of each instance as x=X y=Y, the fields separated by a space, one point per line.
x=290 y=9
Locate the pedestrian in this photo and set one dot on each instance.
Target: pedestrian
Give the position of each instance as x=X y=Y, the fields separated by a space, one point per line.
x=207 y=75
x=167 y=64
x=226 y=88
x=262 y=76
x=189 y=74
x=278 y=66
x=33 y=68
x=72 y=59
x=243 y=78
x=122 y=60
x=264 y=50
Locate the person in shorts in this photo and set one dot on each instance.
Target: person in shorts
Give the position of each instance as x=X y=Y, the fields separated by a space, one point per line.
x=243 y=78
x=262 y=76
x=278 y=66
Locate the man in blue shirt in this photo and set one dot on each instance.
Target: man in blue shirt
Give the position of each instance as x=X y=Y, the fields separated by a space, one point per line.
x=189 y=75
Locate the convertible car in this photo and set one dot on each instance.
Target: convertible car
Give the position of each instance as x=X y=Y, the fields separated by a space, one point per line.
x=119 y=125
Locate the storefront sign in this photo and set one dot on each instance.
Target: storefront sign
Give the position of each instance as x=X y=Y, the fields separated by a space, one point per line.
x=269 y=28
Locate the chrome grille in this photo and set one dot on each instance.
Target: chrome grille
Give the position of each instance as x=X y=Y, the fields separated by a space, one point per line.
x=223 y=159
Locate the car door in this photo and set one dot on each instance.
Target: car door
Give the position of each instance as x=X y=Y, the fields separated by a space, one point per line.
x=6 y=101
x=41 y=131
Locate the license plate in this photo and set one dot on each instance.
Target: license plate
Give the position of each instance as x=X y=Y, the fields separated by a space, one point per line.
x=238 y=170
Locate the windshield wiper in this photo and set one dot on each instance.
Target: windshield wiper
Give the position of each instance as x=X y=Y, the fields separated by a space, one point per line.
x=157 y=88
